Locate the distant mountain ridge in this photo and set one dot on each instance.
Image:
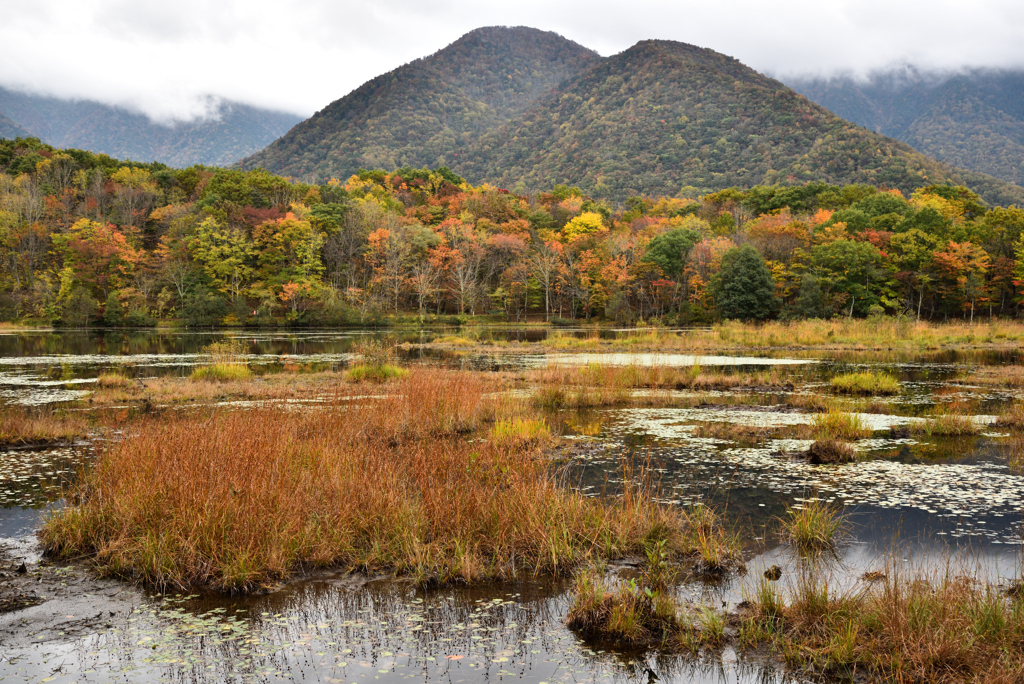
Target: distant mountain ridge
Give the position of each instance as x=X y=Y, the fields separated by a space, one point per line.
x=237 y=131
x=663 y=115
x=526 y=109
x=972 y=119
x=9 y=129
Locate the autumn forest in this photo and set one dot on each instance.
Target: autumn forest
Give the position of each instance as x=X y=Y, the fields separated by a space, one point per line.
x=88 y=240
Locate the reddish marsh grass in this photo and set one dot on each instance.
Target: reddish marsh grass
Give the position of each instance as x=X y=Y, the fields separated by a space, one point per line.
x=240 y=499
x=22 y=426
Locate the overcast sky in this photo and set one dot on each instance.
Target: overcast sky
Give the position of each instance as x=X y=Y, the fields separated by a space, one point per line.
x=162 y=56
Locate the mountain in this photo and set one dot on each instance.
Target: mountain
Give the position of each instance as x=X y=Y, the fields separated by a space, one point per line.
x=234 y=131
x=11 y=130
x=428 y=112
x=973 y=119
x=663 y=116
x=526 y=110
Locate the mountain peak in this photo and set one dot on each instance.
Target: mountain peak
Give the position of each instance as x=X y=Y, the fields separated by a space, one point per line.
x=427 y=112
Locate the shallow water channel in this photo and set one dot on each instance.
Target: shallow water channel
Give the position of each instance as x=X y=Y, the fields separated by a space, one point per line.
x=939 y=504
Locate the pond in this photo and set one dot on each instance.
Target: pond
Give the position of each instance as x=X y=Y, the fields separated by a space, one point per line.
x=912 y=502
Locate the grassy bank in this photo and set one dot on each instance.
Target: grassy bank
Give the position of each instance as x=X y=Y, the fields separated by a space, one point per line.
x=238 y=500
x=733 y=336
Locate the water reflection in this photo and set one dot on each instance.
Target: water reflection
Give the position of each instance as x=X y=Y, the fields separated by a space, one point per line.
x=341 y=630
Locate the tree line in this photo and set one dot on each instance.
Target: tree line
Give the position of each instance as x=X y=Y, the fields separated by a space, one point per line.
x=90 y=240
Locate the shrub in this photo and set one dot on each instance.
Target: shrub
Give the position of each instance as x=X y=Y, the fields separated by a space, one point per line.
x=139 y=318
x=203 y=308
x=113 y=314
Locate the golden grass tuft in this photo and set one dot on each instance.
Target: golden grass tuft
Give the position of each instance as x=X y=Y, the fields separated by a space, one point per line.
x=365 y=372
x=867 y=383
x=227 y=363
x=839 y=425
x=114 y=380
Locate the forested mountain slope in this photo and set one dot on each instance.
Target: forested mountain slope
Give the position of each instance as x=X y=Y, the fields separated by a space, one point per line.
x=236 y=131
x=665 y=117
x=428 y=112
x=11 y=130
x=974 y=119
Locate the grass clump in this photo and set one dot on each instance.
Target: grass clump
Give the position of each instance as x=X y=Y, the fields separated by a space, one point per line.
x=376 y=364
x=830 y=451
x=240 y=499
x=227 y=363
x=632 y=613
x=868 y=382
x=949 y=421
x=839 y=425
x=455 y=341
x=515 y=432
x=813 y=526
x=370 y=373
x=114 y=380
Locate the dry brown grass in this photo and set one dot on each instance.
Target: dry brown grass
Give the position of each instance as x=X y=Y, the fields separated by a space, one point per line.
x=176 y=390
x=996 y=376
x=26 y=426
x=239 y=499
x=635 y=377
x=841 y=334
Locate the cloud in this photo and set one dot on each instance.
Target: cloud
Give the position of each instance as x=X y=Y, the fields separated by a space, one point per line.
x=165 y=58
